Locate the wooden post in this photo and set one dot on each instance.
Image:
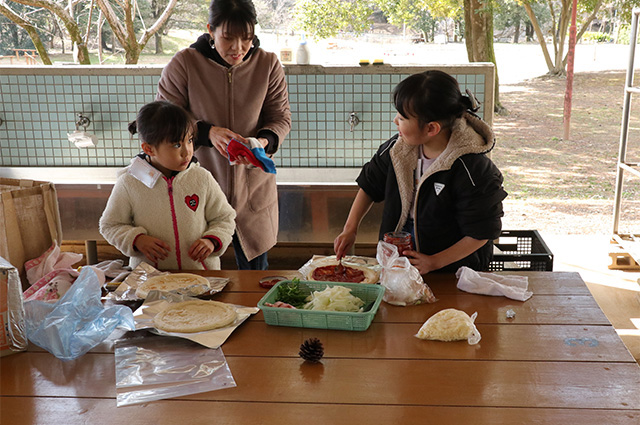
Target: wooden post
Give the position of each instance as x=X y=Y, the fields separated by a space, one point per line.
x=570 y=56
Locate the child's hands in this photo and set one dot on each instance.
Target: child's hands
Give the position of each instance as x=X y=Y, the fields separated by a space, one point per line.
x=201 y=249
x=153 y=248
x=423 y=262
x=343 y=242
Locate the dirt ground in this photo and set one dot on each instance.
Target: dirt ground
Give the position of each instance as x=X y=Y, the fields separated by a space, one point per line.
x=566 y=186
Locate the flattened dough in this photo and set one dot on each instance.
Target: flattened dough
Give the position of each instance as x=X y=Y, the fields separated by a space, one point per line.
x=170 y=282
x=195 y=316
x=370 y=276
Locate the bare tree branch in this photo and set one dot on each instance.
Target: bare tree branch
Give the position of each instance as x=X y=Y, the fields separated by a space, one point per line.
x=70 y=24
x=29 y=28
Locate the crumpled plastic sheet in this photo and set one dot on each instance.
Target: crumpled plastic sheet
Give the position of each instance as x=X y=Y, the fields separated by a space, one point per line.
x=155 y=368
x=77 y=322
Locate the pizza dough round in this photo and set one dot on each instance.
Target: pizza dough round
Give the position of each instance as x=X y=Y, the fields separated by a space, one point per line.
x=170 y=282
x=370 y=276
x=450 y=325
x=195 y=316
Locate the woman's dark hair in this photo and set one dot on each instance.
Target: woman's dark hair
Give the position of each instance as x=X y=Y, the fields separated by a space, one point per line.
x=432 y=96
x=238 y=15
x=162 y=122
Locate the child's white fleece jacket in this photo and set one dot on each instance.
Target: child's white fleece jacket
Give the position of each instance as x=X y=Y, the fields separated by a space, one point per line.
x=179 y=210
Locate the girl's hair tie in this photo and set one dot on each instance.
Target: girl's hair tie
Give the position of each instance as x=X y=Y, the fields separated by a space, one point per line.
x=133 y=127
x=475 y=105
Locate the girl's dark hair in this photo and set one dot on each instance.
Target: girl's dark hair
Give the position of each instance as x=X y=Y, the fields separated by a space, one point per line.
x=238 y=15
x=162 y=122
x=432 y=96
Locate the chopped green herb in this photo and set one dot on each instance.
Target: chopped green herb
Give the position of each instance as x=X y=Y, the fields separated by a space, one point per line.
x=291 y=293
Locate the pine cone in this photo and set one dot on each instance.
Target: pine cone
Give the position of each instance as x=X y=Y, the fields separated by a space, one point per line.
x=311 y=350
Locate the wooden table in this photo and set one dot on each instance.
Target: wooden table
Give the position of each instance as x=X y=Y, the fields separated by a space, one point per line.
x=559 y=361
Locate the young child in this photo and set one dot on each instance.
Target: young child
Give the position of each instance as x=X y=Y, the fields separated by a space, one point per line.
x=164 y=208
x=434 y=177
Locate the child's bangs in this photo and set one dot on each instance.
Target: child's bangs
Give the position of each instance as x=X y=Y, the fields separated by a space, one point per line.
x=180 y=128
x=172 y=127
x=403 y=100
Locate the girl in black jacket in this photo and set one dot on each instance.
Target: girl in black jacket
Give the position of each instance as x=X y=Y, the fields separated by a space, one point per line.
x=435 y=179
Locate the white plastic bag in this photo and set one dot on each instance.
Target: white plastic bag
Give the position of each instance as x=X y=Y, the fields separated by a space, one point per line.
x=402 y=280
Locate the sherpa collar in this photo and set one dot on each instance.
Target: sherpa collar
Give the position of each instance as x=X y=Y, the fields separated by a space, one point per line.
x=469 y=134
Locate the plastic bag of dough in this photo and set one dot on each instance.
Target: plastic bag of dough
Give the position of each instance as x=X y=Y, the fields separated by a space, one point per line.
x=450 y=325
x=403 y=283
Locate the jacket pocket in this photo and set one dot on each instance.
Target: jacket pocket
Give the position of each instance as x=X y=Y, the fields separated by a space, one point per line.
x=261 y=188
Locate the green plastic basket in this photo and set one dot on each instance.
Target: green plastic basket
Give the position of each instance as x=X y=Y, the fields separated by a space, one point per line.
x=338 y=320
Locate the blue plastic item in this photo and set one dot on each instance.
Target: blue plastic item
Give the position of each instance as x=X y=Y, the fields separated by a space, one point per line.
x=77 y=322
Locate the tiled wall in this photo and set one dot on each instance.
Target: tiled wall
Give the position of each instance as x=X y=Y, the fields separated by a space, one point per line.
x=38 y=107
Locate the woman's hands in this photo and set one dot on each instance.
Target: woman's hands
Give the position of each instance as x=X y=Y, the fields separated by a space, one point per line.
x=201 y=249
x=153 y=248
x=220 y=138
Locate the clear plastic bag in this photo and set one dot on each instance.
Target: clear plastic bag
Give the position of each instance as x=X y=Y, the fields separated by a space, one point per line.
x=402 y=280
x=126 y=291
x=77 y=322
x=155 y=368
x=451 y=325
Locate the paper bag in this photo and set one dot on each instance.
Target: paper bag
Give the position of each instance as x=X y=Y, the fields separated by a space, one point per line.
x=29 y=220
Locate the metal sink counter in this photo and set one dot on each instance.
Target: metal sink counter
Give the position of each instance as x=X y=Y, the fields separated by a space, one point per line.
x=314 y=203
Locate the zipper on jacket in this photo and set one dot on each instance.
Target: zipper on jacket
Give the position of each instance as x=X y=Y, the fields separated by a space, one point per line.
x=416 y=242
x=230 y=172
x=174 y=219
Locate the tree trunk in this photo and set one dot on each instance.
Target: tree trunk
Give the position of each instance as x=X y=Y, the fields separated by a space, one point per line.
x=479 y=39
x=158 y=39
x=30 y=29
x=99 y=37
x=528 y=31
x=560 y=30
x=70 y=24
x=516 y=35
x=539 y=35
x=132 y=54
x=126 y=34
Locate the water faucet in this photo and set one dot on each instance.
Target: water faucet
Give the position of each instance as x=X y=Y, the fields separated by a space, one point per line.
x=353 y=120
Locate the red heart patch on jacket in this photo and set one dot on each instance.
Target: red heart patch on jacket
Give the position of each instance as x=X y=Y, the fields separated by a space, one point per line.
x=192 y=201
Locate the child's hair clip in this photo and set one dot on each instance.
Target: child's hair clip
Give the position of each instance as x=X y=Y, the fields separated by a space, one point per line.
x=475 y=104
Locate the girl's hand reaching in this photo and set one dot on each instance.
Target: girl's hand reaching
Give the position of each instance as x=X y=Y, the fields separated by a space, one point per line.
x=459 y=250
x=423 y=262
x=201 y=249
x=153 y=248
x=343 y=243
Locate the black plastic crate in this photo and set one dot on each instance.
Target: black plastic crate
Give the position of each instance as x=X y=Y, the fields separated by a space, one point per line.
x=521 y=250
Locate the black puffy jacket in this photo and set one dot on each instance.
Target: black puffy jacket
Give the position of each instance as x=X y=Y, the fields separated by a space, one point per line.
x=459 y=195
